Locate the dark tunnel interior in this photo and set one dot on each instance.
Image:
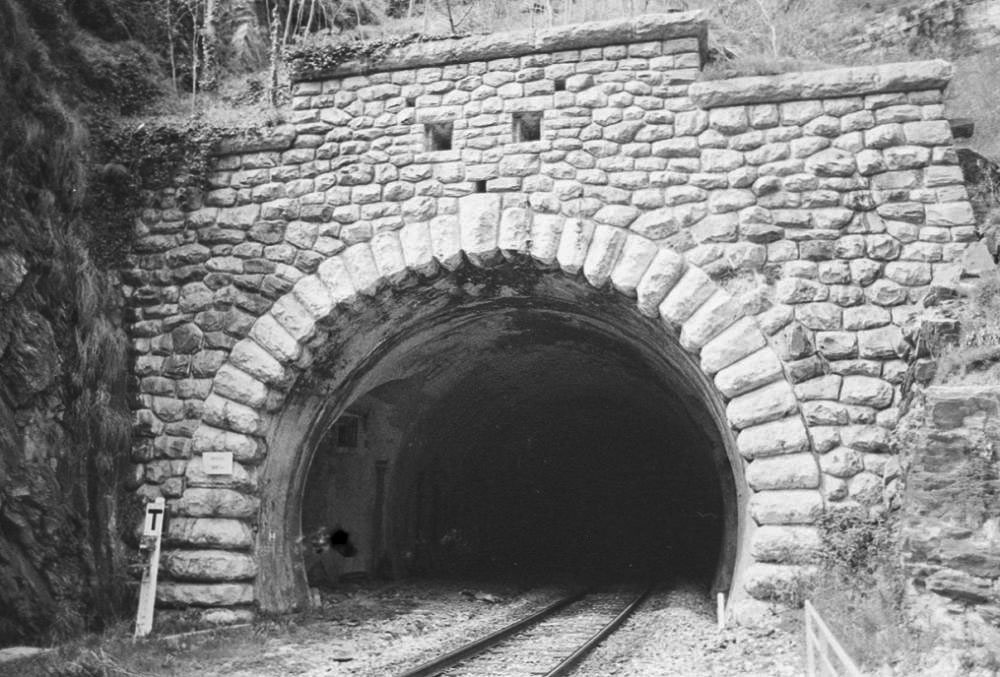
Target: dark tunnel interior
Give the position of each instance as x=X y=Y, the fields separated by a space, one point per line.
x=525 y=445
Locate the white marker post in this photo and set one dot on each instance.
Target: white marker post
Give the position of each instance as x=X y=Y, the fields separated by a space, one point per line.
x=150 y=545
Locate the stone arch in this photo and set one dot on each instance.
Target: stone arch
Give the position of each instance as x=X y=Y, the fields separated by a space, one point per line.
x=771 y=453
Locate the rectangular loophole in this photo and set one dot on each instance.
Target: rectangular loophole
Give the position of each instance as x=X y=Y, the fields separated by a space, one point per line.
x=411 y=102
x=527 y=127
x=480 y=186
x=437 y=136
x=347 y=432
x=560 y=84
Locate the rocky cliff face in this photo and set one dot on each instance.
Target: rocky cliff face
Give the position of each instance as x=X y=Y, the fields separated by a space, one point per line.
x=63 y=408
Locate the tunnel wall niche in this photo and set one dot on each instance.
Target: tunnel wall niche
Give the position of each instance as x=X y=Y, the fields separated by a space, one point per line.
x=828 y=203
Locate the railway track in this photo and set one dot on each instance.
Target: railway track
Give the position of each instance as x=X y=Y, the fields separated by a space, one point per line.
x=548 y=643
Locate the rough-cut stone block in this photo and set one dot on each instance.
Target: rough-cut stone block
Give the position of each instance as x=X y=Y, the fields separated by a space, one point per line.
x=787 y=471
x=546 y=230
x=949 y=214
x=389 y=260
x=204 y=594
x=574 y=244
x=446 y=241
x=794 y=506
x=314 y=296
x=293 y=316
x=209 y=565
x=717 y=313
x=693 y=289
x=418 y=252
x=637 y=255
x=209 y=532
x=825 y=84
x=334 y=274
x=663 y=272
x=786 y=544
x=362 y=269
x=244 y=448
x=258 y=362
x=479 y=223
x=841 y=462
x=762 y=405
x=515 y=231
x=733 y=344
x=666 y=221
x=275 y=339
x=223 y=413
x=204 y=502
x=244 y=478
x=752 y=372
x=602 y=255
x=866 y=390
x=784 y=436
x=239 y=386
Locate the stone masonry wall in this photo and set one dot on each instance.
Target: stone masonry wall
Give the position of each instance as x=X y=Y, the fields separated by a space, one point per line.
x=827 y=204
x=951 y=515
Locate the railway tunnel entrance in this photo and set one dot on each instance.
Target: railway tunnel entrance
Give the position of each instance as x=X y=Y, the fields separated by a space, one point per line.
x=510 y=431
x=519 y=441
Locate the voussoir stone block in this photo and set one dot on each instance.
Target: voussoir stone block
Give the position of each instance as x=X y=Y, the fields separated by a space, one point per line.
x=418 y=252
x=737 y=341
x=389 y=260
x=479 y=223
x=209 y=532
x=293 y=316
x=788 y=471
x=637 y=255
x=602 y=255
x=209 y=565
x=786 y=544
x=313 y=295
x=775 y=438
x=792 y=506
x=574 y=244
x=362 y=269
x=693 y=289
x=268 y=333
x=750 y=373
x=205 y=502
x=446 y=241
x=334 y=274
x=546 y=230
x=204 y=594
x=251 y=358
x=515 y=231
x=767 y=403
x=717 y=313
x=224 y=413
x=239 y=386
x=663 y=273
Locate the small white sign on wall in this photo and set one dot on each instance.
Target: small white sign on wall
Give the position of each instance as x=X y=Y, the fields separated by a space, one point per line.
x=217 y=462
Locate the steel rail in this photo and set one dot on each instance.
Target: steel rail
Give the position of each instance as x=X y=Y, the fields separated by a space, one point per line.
x=584 y=649
x=478 y=646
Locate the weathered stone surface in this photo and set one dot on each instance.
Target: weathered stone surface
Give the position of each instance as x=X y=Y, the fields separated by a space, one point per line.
x=239 y=386
x=762 y=405
x=602 y=255
x=546 y=230
x=202 y=502
x=871 y=392
x=212 y=532
x=718 y=312
x=644 y=28
x=208 y=565
x=773 y=581
x=842 y=462
x=822 y=84
x=733 y=344
x=636 y=257
x=795 y=506
x=787 y=471
x=749 y=373
x=784 y=436
x=204 y=594
x=786 y=544
x=275 y=339
x=664 y=271
x=479 y=222
x=693 y=289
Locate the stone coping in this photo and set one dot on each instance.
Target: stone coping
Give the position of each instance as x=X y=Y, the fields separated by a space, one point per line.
x=824 y=84
x=643 y=28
